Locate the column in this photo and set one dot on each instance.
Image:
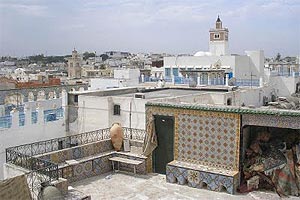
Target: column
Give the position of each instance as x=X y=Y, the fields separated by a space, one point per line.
x=40 y=113
x=226 y=79
x=173 y=79
x=27 y=112
x=198 y=79
x=143 y=78
x=208 y=79
x=261 y=82
x=14 y=118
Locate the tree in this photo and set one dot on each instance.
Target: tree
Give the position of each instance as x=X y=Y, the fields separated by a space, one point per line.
x=278 y=57
x=87 y=55
x=104 y=57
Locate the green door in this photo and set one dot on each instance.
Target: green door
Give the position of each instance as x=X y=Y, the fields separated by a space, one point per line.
x=164 y=153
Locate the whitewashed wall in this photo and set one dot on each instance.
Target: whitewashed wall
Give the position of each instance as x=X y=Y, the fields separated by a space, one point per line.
x=17 y=135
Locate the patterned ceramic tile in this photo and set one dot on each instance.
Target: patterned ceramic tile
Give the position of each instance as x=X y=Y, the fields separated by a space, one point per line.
x=67 y=172
x=88 y=150
x=201 y=179
x=64 y=155
x=77 y=153
x=209 y=140
x=54 y=157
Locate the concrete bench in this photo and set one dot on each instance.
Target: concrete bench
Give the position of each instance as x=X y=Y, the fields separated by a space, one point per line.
x=126 y=161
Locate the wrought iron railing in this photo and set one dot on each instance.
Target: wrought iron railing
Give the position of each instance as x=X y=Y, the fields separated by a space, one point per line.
x=74 y=140
x=43 y=170
x=134 y=134
x=39 y=170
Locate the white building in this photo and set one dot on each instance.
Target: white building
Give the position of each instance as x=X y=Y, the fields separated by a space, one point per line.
x=217 y=66
x=122 y=78
x=92 y=110
x=26 y=129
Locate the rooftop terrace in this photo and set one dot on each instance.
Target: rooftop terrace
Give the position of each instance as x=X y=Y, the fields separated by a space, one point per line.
x=154 y=186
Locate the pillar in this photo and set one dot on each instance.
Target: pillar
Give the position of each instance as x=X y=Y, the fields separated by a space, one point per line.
x=226 y=79
x=261 y=82
x=40 y=115
x=208 y=79
x=14 y=118
x=27 y=112
x=143 y=78
x=198 y=79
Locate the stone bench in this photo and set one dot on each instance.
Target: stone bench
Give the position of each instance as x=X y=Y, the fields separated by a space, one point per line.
x=92 y=159
x=201 y=176
x=99 y=164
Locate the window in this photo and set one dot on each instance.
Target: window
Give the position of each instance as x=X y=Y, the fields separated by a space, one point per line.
x=168 y=72
x=117 y=109
x=229 y=102
x=175 y=71
x=217 y=36
x=76 y=98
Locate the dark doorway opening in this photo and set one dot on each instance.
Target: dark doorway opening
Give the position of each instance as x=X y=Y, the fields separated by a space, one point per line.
x=164 y=153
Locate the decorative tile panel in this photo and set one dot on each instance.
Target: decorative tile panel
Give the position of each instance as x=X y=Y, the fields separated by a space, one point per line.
x=54 y=157
x=77 y=153
x=88 y=150
x=209 y=139
x=83 y=170
x=201 y=179
x=205 y=137
x=102 y=165
x=64 y=155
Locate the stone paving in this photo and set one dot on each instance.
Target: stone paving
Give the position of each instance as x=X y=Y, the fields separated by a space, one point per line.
x=154 y=186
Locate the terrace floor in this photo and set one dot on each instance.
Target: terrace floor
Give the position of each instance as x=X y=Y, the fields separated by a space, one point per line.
x=154 y=186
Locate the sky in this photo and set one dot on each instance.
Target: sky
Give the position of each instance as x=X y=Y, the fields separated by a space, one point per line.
x=55 y=27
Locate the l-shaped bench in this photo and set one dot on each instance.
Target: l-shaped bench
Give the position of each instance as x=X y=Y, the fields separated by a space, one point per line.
x=92 y=159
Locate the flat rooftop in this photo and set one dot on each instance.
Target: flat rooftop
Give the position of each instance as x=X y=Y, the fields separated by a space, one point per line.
x=154 y=186
x=166 y=93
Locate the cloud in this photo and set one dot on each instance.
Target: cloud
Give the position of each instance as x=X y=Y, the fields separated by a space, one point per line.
x=26 y=9
x=169 y=25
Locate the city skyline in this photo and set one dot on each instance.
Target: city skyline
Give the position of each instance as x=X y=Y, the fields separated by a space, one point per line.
x=56 y=27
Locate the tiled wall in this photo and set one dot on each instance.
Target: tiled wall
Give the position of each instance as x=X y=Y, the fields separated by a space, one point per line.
x=86 y=169
x=209 y=139
x=204 y=137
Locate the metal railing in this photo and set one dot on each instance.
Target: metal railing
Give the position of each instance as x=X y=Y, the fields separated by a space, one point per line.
x=74 y=140
x=247 y=82
x=41 y=170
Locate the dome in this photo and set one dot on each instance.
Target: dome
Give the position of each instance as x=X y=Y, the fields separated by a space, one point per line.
x=202 y=53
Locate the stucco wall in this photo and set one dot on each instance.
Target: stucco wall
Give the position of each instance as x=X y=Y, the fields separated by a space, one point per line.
x=285 y=86
x=27 y=134
x=97 y=112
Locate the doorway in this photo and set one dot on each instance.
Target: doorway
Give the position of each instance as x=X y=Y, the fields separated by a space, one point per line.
x=164 y=153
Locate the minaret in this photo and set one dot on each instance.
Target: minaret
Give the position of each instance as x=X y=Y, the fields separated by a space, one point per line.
x=218 y=39
x=74 y=65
